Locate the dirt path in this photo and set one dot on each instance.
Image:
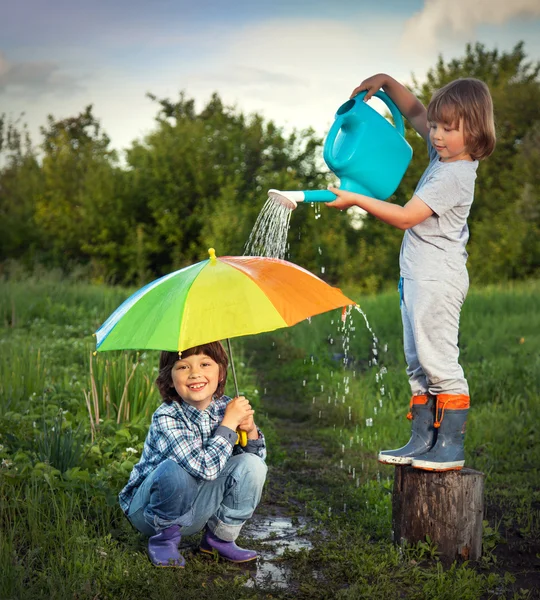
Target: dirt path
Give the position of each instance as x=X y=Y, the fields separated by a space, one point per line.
x=282 y=523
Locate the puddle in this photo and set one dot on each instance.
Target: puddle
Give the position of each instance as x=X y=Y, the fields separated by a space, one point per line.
x=276 y=535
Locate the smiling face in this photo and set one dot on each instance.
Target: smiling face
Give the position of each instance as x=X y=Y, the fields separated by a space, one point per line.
x=448 y=141
x=196 y=379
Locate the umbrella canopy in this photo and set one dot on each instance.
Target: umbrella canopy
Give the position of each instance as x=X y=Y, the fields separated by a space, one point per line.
x=221 y=297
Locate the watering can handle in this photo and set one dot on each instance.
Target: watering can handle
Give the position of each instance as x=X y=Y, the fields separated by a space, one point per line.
x=341 y=122
x=394 y=110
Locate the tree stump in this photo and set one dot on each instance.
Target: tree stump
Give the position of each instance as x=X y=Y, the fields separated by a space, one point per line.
x=448 y=507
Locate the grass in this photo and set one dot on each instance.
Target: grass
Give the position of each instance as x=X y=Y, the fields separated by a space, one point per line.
x=72 y=426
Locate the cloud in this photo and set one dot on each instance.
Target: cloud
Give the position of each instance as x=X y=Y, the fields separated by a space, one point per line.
x=300 y=71
x=442 y=20
x=252 y=76
x=35 y=78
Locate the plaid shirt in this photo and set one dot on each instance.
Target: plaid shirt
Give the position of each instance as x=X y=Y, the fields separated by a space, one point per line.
x=189 y=436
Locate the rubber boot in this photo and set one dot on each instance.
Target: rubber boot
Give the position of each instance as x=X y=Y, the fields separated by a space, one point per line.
x=227 y=550
x=423 y=433
x=448 y=453
x=163 y=548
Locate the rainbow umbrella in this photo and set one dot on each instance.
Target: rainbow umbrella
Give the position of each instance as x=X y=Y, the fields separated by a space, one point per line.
x=215 y=299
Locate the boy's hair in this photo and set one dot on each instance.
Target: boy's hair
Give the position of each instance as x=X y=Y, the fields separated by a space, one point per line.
x=468 y=99
x=214 y=350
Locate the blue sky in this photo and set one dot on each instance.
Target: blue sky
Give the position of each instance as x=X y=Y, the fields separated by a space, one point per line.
x=293 y=61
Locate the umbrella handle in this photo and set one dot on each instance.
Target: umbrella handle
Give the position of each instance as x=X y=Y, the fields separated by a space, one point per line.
x=242 y=435
x=242 y=438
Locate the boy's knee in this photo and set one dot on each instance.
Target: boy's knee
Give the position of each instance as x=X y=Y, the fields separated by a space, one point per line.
x=174 y=479
x=250 y=465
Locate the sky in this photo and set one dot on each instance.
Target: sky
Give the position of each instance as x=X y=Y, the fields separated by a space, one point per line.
x=292 y=61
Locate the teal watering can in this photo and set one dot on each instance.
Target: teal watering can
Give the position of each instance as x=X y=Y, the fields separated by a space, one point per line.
x=367 y=153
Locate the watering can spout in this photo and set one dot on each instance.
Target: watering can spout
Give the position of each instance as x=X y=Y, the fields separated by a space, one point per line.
x=290 y=199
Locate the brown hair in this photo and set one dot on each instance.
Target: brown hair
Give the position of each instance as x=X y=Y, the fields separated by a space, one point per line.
x=167 y=360
x=468 y=99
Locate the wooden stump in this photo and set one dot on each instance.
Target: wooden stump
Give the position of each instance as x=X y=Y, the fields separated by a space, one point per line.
x=448 y=507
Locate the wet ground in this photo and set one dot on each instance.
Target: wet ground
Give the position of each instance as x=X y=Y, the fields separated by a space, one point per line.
x=276 y=536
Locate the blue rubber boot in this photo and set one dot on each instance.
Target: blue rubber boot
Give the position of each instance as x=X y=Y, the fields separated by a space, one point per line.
x=423 y=433
x=163 y=548
x=448 y=452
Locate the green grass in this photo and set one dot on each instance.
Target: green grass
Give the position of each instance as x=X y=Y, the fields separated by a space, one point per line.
x=70 y=435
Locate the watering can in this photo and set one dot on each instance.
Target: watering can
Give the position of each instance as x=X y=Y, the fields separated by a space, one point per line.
x=367 y=153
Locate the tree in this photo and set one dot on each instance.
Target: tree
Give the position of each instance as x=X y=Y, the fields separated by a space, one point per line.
x=20 y=181
x=79 y=210
x=200 y=180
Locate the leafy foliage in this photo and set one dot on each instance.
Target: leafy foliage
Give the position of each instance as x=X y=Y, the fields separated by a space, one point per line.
x=199 y=179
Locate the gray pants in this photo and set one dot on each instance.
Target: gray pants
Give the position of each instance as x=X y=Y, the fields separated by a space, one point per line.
x=430 y=313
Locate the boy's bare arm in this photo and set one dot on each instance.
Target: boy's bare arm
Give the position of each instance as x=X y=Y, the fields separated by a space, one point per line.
x=402 y=217
x=409 y=105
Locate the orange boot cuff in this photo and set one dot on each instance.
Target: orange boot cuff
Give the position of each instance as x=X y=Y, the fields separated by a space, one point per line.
x=450 y=402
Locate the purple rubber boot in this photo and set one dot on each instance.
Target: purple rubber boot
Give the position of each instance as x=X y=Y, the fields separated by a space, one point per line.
x=163 y=548
x=227 y=550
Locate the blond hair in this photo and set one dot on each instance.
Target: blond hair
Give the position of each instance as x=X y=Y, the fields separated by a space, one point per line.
x=469 y=100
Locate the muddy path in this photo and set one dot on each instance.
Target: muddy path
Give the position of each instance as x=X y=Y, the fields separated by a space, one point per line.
x=305 y=495
x=282 y=526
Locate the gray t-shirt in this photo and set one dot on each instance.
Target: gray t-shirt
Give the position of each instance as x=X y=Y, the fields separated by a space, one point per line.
x=435 y=248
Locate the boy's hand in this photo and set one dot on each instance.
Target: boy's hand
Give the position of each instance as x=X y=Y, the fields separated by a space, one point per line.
x=344 y=199
x=237 y=410
x=248 y=425
x=371 y=84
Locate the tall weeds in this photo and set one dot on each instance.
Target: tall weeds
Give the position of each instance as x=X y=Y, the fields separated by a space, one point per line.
x=120 y=389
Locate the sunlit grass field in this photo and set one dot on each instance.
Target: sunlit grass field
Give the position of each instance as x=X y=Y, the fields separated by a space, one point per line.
x=72 y=425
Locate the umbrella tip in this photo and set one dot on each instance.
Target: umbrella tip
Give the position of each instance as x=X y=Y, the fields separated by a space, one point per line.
x=212 y=254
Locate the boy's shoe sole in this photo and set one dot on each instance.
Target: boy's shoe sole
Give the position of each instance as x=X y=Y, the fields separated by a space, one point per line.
x=388 y=459
x=169 y=566
x=216 y=553
x=427 y=465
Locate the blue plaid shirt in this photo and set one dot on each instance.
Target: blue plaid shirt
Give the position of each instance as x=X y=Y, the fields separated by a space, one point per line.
x=193 y=438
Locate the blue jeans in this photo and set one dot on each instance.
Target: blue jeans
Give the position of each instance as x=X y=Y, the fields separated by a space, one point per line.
x=171 y=496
